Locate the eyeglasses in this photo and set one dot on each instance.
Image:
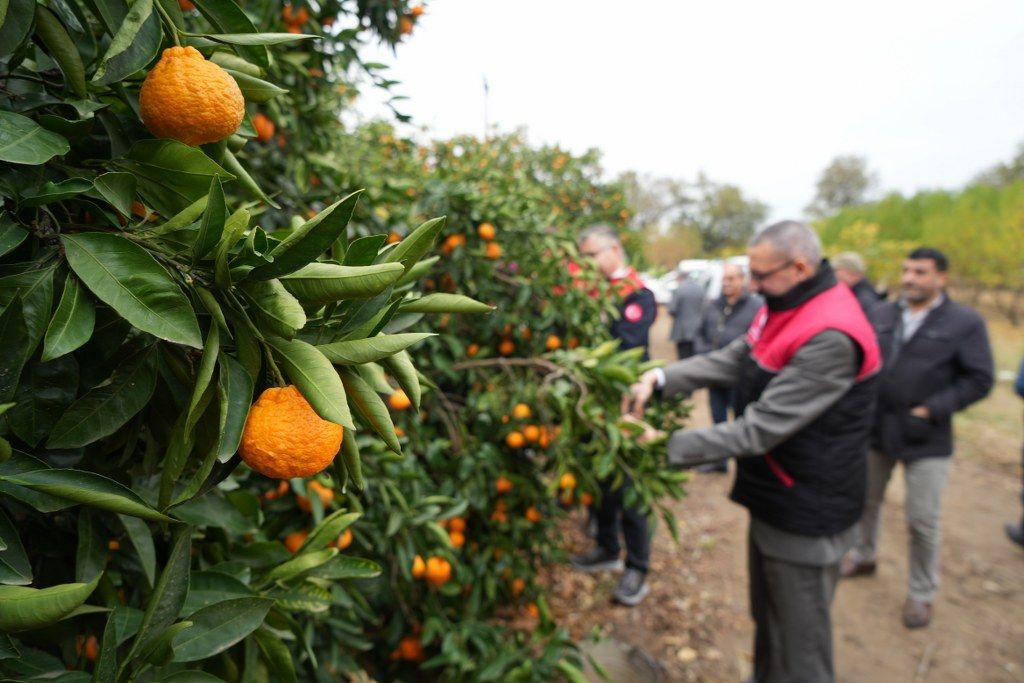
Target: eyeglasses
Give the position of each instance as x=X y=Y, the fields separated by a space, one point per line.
x=762 y=276
x=592 y=254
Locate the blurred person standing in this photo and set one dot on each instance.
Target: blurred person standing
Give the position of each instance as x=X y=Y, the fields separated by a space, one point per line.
x=805 y=376
x=850 y=268
x=726 y=319
x=1015 y=531
x=685 y=307
x=637 y=311
x=937 y=361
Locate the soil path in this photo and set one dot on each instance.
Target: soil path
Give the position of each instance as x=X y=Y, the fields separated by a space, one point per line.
x=695 y=622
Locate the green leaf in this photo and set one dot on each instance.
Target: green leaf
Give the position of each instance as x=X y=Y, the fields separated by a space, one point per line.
x=208 y=588
x=91 y=554
x=128 y=279
x=228 y=18
x=158 y=651
x=345 y=567
x=109 y=405
x=232 y=163
x=234 y=388
x=118 y=189
x=72 y=324
x=258 y=38
x=87 y=488
x=15 y=27
x=255 y=89
x=444 y=303
x=400 y=365
x=213 y=510
x=169 y=594
x=212 y=227
x=51 y=192
x=218 y=627
x=171 y=174
x=11 y=234
x=276 y=310
x=23 y=609
x=276 y=654
x=62 y=48
x=13 y=335
x=8 y=650
x=309 y=240
x=35 y=288
x=363 y=250
x=45 y=392
x=142 y=540
x=191 y=676
x=23 y=141
x=322 y=283
x=301 y=563
x=111 y=69
x=416 y=244
x=359 y=351
x=327 y=531
x=370 y=408
x=207 y=364
x=350 y=458
x=315 y=378
x=15 y=568
x=184 y=218
x=417 y=271
x=19 y=463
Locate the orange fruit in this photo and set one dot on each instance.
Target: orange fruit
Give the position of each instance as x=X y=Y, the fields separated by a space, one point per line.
x=90 y=646
x=294 y=540
x=532 y=610
x=399 y=432
x=419 y=568
x=345 y=540
x=394 y=237
x=326 y=497
x=567 y=481
x=285 y=438
x=417 y=10
x=515 y=440
x=457 y=524
x=410 y=649
x=264 y=127
x=586 y=499
x=186 y=6
x=189 y=99
x=517 y=586
x=405 y=25
x=503 y=485
x=399 y=400
x=526 y=334
x=282 y=488
x=533 y=514
x=532 y=433
x=457 y=538
x=493 y=251
x=504 y=419
x=521 y=411
x=439 y=571
x=574 y=342
x=329 y=21
x=486 y=231
x=507 y=347
x=113 y=544
x=472 y=350
x=553 y=342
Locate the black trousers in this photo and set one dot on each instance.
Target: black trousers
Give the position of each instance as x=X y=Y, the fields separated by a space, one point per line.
x=613 y=515
x=684 y=349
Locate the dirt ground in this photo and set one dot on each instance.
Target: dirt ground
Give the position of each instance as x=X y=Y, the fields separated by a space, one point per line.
x=696 y=623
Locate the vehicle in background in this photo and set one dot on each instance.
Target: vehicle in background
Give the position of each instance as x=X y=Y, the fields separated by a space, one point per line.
x=705 y=272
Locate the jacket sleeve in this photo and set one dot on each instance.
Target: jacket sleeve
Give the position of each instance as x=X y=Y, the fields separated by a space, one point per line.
x=1019 y=386
x=975 y=373
x=702 y=342
x=634 y=333
x=817 y=376
x=718 y=368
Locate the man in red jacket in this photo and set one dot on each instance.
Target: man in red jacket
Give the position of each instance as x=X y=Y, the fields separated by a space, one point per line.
x=804 y=376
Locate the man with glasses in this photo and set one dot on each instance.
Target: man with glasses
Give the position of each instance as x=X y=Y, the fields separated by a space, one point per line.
x=804 y=376
x=637 y=311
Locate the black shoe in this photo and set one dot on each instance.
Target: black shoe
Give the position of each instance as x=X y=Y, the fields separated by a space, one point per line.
x=632 y=588
x=1015 y=532
x=597 y=560
x=714 y=468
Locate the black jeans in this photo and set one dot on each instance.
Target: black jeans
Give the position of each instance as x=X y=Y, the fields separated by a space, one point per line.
x=721 y=401
x=684 y=349
x=611 y=514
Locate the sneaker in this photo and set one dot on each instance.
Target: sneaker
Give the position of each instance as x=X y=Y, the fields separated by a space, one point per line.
x=850 y=568
x=1015 y=532
x=916 y=614
x=632 y=588
x=597 y=560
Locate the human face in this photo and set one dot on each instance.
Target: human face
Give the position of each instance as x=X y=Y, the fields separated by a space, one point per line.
x=607 y=255
x=732 y=282
x=772 y=274
x=921 y=281
x=848 y=276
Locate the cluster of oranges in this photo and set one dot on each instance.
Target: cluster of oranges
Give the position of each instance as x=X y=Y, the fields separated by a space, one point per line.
x=529 y=433
x=295 y=19
x=486 y=231
x=405 y=23
x=436 y=571
x=456 y=527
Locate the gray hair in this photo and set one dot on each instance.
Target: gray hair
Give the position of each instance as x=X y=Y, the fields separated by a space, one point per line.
x=737 y=266
x=851 y=261
x=601 y=230
x=792 y=239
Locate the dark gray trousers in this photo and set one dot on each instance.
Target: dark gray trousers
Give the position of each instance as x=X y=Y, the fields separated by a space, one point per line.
x=790 y=604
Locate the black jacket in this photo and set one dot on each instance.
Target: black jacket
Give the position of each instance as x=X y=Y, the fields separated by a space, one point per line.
x=636 y=315
x=721 y=323
x=867 y=295
x=946 y=366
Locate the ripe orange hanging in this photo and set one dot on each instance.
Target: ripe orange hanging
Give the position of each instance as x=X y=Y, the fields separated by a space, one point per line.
x=264 y=127
x=532 y=433
x=294 y=540
x=553 y=343
x=533 y=514
x=345 y=540
x=503 y=484
x=457 y=538
x=486 y=231
x=399 y=400
x=189 y=99
x=439 y=571
x=521 y=411
x=419 y=568
x=507 y=347
x=493 y=251
x=325 y=494
x=515 y=440
x=285 y=438
x=567 y=481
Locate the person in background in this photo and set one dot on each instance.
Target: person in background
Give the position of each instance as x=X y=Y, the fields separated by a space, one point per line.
x=637 y=311
x=806 y=381
x=725 y=319
x=849 y=267
x=1015 y=531
x=937 y=360
x=685 y=307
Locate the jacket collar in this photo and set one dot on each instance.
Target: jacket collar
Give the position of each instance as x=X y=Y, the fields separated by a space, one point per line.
x=824 y=279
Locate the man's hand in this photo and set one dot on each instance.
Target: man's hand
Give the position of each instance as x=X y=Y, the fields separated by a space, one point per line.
x=639 y=394
x=921 y=412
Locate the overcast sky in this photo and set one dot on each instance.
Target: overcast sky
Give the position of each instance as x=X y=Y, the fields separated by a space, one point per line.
x=760 y=94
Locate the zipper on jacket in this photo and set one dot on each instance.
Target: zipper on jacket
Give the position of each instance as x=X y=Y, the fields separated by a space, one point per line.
x=786 y=480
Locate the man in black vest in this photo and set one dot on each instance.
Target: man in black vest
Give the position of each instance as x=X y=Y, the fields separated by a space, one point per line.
x=937 y=361
x=805 y=389
x=637 y=311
